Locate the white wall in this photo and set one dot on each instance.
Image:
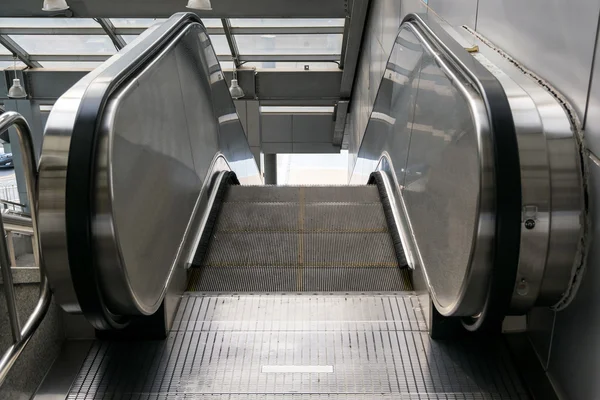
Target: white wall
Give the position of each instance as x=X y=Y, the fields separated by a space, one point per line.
x=384 y=19
x=556 y=40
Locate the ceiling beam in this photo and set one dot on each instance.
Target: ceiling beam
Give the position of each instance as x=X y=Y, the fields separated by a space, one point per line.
x=341 y=112
x=18 y=51
x=235 y=54
x=109 y=29
x=33 y=58
x=290 y=57
x=351 y=52
x=288 y=30
x=36 y=58
x=251 y=30
x=165 y=8
x=345 y=41
x=298 y=85
x=275 y=87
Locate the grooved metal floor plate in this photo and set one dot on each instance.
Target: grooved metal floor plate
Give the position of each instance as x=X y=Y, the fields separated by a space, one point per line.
x=298 y=346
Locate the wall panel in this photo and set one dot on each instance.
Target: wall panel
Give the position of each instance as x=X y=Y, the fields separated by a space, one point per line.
x=575 y=355
x=554 y=38
x=383 y=22
x=456 y=12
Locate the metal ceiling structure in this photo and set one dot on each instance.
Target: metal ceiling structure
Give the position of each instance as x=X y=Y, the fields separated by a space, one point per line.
x=295 y=60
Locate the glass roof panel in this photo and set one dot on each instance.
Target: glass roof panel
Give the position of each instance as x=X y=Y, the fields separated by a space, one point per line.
x=135 y=22
x=129 y=38
x=286 y=65
x=147 y=22
x=48 y=22
x=4 y=50
x=212 y=22
x=285 y=22
x=289 y=44
x=220 y=44
x=10 y=64
x=65 y=44
x=70 y=64
x=226 y=64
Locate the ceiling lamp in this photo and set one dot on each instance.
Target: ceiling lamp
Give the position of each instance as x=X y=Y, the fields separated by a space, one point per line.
x=16 y=91
x=235 y=89
x=55 y=5
x=199 y=4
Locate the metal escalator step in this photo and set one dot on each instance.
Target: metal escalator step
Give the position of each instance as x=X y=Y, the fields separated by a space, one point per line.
x=309 y=238
x=299 y=279
x=313 y=217
x=252 y=249
x=310 y=194
x=344 y=217
x=244 y=217
x=299 y=346
x=292 y=249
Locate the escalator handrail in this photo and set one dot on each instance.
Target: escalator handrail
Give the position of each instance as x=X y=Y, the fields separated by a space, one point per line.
x=22 y=335
x=507 y=171
x=80 y=180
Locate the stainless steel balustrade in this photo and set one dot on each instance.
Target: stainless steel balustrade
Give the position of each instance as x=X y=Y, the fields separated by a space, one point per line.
x=485 y=171
x=129 y=158
x=22 y=335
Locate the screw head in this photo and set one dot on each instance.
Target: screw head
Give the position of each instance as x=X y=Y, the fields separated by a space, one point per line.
x=523 y=288
x=530 y=224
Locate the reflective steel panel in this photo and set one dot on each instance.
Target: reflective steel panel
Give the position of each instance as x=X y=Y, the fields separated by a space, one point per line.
x=430 y=127
x=168 y=126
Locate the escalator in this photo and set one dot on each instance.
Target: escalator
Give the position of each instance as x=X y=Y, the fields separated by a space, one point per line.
x=299 y=294
x=466 y=206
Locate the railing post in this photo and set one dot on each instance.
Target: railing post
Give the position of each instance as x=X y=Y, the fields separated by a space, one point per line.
x=9 y=289
x=21 y=336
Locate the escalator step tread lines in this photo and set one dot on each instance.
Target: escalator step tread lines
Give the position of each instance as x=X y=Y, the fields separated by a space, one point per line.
x=299 y=346
x=300 y=238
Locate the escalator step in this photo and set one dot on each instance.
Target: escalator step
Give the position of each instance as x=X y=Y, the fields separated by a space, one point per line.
x=309 y=238
x=299 y=279
x=310 y=194
x=315 y=217
x=292 y=249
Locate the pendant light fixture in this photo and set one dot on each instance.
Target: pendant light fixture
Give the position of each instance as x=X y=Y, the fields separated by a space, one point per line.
x=16 y=91
x=235 y=89
x=55 y=5
x=199 y=5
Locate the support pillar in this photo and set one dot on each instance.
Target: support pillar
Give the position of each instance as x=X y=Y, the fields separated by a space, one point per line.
x=270 y=169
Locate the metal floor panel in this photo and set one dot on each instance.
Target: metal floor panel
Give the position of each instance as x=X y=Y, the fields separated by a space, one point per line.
x=298 y=346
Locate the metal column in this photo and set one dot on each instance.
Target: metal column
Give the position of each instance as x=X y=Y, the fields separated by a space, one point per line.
x=270 y=169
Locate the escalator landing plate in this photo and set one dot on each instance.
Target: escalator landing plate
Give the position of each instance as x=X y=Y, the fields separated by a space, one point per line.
x=305 y=346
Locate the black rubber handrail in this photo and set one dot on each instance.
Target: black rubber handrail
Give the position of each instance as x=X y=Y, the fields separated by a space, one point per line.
x=508 y=174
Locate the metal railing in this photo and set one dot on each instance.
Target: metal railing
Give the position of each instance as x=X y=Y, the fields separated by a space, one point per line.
x=9 y=198
x=11 y=205
x=22 y=335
